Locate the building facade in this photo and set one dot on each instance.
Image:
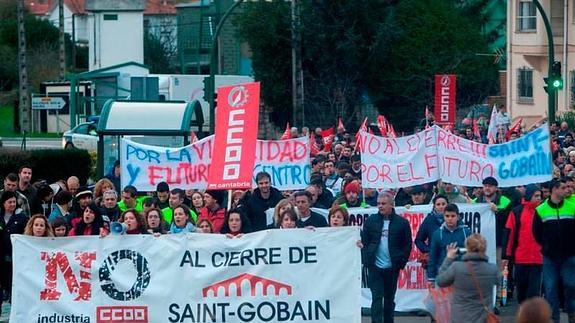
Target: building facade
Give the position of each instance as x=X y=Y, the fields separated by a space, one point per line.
x=527 y=57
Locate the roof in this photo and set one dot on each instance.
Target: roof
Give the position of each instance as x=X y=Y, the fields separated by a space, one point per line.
x=160 y=7
x=76 y=6
x=168 y=118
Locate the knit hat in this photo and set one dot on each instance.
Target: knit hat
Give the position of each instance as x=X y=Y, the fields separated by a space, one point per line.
x=352 y=186
x=490 y=181
x=84 y=191
x=417 y=189
x=217 y=195
x=530 y=190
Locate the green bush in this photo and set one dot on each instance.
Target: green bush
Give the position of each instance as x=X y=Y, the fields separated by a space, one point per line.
x=48 y=164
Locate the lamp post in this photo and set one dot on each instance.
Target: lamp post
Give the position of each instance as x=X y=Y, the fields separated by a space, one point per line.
x=211 y=83
x=551 y=90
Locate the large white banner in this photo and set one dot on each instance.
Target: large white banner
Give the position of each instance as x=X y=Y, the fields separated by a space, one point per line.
x=144 y=166
x=435 y=154
x=412 y=283
x=294 y=275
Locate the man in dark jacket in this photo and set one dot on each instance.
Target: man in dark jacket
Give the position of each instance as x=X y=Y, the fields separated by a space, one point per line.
x=386 y=238
x=264 y=197
x=306 y=216
x=554 y=229
x=324 y=197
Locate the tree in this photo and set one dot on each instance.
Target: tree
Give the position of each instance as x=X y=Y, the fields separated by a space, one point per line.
x=383 y=51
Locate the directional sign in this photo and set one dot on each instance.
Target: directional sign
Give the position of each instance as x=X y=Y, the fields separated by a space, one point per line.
x=48 y=103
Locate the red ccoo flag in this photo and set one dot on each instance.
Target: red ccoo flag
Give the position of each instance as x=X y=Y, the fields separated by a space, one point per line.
x=382 y=125
x=287 y=133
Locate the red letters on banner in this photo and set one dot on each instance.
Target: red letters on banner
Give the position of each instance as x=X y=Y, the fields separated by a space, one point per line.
x=235 y=136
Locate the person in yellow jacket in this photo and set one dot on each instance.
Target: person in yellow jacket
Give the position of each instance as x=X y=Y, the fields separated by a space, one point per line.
x=130 y=200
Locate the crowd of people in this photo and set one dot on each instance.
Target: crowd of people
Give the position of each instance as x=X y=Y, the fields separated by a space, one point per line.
x=533 y=223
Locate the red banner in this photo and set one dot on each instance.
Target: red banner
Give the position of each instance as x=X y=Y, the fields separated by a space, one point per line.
x=235 y=137
x=445 y=99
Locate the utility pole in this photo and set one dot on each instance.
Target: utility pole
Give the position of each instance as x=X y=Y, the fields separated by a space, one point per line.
x=62 y=72
x=24 y=101
x=297 y=71
x=551 y=91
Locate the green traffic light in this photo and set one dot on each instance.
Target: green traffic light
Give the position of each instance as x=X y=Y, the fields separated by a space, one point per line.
x=558 y=84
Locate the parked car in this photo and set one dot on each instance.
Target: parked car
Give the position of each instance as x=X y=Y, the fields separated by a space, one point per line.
x=83 y=136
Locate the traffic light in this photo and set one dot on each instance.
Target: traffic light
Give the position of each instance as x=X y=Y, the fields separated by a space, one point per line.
x=555 y=77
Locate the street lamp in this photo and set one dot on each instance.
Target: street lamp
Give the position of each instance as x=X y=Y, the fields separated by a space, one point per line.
x=553 y=84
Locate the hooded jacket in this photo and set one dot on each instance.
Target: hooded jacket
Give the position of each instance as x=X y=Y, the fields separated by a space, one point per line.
x=440 y=239
x=521 y=245
x=430 y=224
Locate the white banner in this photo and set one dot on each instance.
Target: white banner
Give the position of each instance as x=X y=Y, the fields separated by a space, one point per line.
x=412 y=283
x=144 y=166
x=435 y=154
x=294 y=275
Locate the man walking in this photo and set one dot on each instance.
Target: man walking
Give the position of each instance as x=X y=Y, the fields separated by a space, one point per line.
x=386 y=238
x=554 y=229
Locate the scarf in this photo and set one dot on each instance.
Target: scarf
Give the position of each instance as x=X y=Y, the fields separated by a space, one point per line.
x=189 y=228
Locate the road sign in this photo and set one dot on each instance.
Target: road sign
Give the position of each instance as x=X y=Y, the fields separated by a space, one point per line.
x=48 y=103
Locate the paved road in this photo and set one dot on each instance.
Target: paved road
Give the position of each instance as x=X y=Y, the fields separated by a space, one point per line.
x=33 y=143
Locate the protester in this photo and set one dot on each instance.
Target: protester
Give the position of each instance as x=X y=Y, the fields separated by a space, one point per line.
x=24 y=182
x=472 y=280
x=130 y=200
x=307 y=217
x=102 y=186
x=155 y=221
x=83 y=199
x=135 y=223
x=430 y=224
x=521 y=247
x=11 y=184
x=91 y=223
x=351 y=196
x=41 y=203
x=338 y=216
x=453 y=194
x=61 y=206
x=38 y=226
x=451 y=233
x=418 y=196
x=280 y=208
x=182 y=222
x=386 y=238
x=289 y=219
x=114 y=176
x=59 y=227
x=324 y=198
x=237 y=196
x=213 y=210
x=356 y=166
x=235 y=224
x=197 y=202
x=176 y=199
x=332 y=180
x=163 y=195
x=263 y=197
x=150 y=202
x=534 y=310
x=554 y=229
x=205 y=226
x=110 y=206
x=73 y=185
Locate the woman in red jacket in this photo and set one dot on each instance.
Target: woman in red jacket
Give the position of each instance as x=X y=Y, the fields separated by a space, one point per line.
x=522 y=248
x=91 y=223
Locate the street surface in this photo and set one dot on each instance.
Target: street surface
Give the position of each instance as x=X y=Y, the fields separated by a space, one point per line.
x=32 y=143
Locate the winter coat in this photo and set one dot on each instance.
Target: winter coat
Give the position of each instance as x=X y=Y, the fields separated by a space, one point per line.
x=216 y=218
x=554 y=229
x=429 y=225
x=439 y=241
x=255 y=206
x=466 y=305
x=521 y=245
x=400 y=243
x=16 y=225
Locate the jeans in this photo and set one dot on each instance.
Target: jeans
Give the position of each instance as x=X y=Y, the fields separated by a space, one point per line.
x=527 y=281
x=554 y=271
x=383 y=285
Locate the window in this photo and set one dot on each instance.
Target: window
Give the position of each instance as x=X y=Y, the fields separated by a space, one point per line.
x=110 y=17
x=526 y=16
x=525 y=85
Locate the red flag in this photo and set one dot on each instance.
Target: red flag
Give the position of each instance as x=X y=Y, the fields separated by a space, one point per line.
x=314 y=148
x=516 y=127
x=328 y=137
x=476 y=132
x=362 y=127
x=340 y=125
x=391 y=131
x=382 y=125
x=287 y=133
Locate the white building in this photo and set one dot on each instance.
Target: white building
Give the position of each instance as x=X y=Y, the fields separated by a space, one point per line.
x=115 y=32
x=75 y=19
x=527 y=56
